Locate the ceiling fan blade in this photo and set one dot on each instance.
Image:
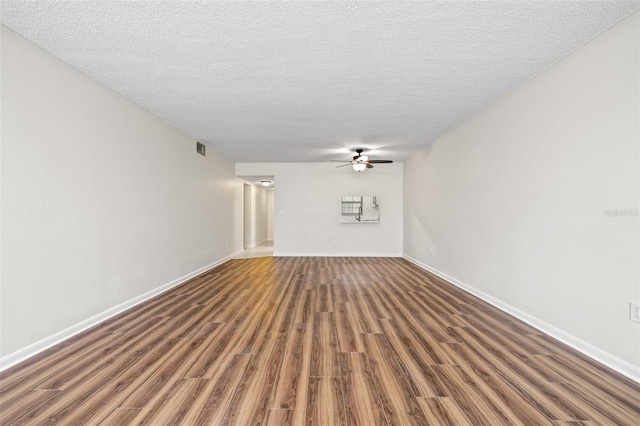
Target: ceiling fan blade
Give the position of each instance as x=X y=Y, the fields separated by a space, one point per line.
x=381 y=161
x=343 y=165
x=339 y=161
x=369 y=166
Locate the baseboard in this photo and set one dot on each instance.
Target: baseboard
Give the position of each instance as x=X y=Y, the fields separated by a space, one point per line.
x=621 y=366
x=257 y=244
x=281 y=254
x=41 y=345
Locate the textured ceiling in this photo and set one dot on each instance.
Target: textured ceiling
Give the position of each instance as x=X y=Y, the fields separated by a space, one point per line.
x=306 y=81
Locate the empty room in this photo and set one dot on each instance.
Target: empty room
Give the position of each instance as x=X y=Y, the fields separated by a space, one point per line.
x=321 y=213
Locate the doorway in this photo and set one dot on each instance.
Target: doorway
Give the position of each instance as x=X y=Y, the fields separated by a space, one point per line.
x=257 y=218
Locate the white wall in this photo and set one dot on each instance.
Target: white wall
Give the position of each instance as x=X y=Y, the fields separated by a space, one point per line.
x=270 y=213
x=513 y=203
x=247 y=217
x=260 y=216
x=255 y=214
x=256 y=207
x=102 y=203
x=307 y=208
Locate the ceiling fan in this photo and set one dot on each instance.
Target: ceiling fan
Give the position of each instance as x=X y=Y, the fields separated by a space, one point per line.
x=361 y=162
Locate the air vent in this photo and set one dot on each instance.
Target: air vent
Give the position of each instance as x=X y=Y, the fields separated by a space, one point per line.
x=200 y=148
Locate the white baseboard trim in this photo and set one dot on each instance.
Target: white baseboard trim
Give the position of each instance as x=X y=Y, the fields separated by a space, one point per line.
x=280 y=254
x=621 y=366
x=27 y=352
x=257 y=244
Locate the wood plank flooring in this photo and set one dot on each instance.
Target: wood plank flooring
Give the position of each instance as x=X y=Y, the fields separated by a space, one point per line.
x=316 y=341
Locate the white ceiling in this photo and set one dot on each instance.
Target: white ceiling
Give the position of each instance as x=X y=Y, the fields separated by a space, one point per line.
x=309 y=81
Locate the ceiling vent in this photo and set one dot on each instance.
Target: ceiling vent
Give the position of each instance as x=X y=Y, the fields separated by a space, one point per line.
x=200 y=148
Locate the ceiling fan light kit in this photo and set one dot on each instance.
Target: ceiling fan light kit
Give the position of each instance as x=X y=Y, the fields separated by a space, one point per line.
x=358 y=167
x=361 y=162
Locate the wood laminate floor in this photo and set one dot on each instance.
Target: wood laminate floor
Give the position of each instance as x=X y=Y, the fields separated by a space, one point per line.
x=322 y=341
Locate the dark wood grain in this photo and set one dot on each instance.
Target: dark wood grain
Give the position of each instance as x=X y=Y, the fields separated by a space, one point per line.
x=315 y=341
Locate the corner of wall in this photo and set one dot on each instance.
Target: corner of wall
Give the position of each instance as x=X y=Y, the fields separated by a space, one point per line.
x=621 y=366
x=35 y=348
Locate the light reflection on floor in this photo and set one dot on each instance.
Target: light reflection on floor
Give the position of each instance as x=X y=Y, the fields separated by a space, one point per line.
x=264 y=249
